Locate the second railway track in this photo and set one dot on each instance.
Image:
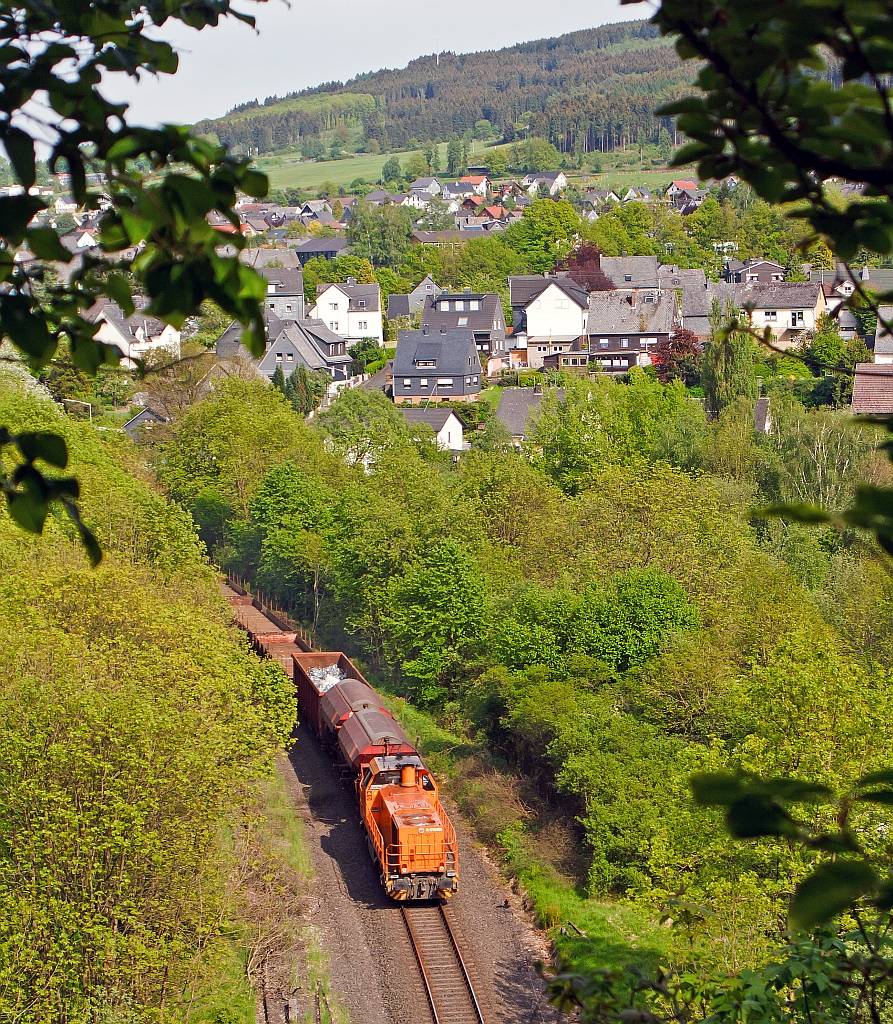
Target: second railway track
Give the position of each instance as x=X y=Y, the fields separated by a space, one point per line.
x=447 y=982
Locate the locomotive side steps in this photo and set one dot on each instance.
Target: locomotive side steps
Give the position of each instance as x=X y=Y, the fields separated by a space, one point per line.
x=446 y=977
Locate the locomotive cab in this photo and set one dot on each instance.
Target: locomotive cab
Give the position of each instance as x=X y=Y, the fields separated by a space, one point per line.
x=411 y=837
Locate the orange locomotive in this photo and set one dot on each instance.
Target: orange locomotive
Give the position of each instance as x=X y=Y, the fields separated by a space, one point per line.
x=410 y=837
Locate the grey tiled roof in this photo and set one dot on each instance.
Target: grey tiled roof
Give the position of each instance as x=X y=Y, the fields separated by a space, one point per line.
x=398 y=305
x=781 y=294
x=288 y=280
x=477 y=319
x=368 y=294
x=518 y=409
x=611 y=313
x=435 y=418
x=450 y=352
x=642 y=271
x=883 y=341
x=873 y=389
x=259 y=258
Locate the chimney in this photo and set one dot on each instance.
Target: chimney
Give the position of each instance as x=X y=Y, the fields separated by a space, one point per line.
x=468 y=291
x=351 y=280
x=425 y=330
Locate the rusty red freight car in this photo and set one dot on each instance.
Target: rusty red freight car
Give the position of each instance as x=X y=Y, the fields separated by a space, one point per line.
x=329 y=668
x=339 y=703
x=368 y=734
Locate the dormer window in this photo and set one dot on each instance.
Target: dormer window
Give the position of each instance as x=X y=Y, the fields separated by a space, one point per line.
x=627 y=277
x=460 y=304
x=361 y=302
x=463 y=321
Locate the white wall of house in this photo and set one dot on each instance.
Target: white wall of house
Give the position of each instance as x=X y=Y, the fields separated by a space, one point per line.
x=332 y=307
x=554 y=312
x=138 y=346
x=449 y=437
x=787 y=324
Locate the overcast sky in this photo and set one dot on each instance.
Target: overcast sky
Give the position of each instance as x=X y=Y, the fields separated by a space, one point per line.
x=305 y=44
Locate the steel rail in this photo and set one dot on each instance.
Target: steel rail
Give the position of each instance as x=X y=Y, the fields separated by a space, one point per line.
x=443 y=1008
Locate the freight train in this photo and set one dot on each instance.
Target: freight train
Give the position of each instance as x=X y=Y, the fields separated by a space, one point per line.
x=409 y=835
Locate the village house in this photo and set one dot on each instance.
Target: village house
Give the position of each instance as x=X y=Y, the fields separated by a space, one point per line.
x=351 y=310
x=136 y=336
x=324 y=248
x=290 y=344
x=547 y=306
x=436 y=366
x=753 y=270
x=883 y=340
x=787 y=308
x=624 y=328
x=445 y=423
x=632 y=273
x=407 y=304
x=285 y=292
x=519 y=408
x=429 y=185
x=479 y=182
x=542 y=181
x=872 y=390
x=481 y=313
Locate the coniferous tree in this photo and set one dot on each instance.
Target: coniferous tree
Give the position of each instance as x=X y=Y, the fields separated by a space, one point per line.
x=278 y=379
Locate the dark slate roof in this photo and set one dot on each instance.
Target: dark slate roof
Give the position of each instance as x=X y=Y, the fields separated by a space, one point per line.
x=144 y=418
x=311 y=339
x=762 y=420
x=420 y=183
x=435 y=237
x=435 y=418
x=128 y=325
x=398 y=305
x=322 y=245
x=642 y=271
x=476 y=319
x=288 y=281
x=517 y=409
x=733 y=266
x=611 y=313
x=450 y=352
x=523 y=287
x=873 y=389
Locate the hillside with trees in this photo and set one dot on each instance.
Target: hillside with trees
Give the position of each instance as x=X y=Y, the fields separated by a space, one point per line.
x=584 y=92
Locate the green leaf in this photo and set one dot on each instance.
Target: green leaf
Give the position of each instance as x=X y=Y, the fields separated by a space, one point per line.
x=118 y=289
x=19 y=148
x=875 y=778
x=715 y=788
x=15 y=215
x=255 y=184
x=880 y=796
x=43 y=445
x=752 y=816
x=830 y=889
x=44 y=242
x=799 y=512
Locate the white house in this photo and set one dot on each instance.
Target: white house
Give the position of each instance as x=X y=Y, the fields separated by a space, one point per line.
x=351 y=310
x=429 y=185
x=552 y=181
x=136 y=336
x=480 y=183
x=445 y=423
x=559 y=309
x=787 y=308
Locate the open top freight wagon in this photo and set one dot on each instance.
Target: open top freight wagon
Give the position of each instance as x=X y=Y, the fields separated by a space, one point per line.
x=330 y=668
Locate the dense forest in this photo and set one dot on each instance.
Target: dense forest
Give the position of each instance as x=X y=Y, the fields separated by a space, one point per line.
x=586 y=91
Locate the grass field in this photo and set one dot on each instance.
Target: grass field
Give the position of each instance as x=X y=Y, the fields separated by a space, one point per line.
x=288 y=171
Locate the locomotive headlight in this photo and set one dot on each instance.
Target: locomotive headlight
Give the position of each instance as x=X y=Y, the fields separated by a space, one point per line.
x=403 y=869
x=442 y=868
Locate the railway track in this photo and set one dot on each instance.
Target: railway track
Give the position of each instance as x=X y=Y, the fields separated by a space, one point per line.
x=450 y=992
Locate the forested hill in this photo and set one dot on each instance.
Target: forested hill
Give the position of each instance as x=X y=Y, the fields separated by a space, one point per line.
x=584 y=91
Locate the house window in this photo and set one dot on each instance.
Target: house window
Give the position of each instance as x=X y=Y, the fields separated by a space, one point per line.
x=771 y=314
x=796 y=317
x=562 y=303
x=333 y=325
x=363 y=325
x=627 y=277
x=288 y=307
x=536 y=304
x=290 y=357
x=474 y=381
x=444 y=306
x=333 y=305
x=361 y=302
x=278 y=357
x=426 y=362
x=649 y=298
x=444 y=382
x=424 y=382
x=407 y=383
x=460 y=305
x=468 y=380
x=463 y=321
x=603 y=342
x=624 y=342
x=272 y=305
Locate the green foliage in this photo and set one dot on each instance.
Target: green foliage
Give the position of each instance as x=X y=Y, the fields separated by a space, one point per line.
x=536 y=155
x=380 y=234
x=545 y=234
x=390 y=170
